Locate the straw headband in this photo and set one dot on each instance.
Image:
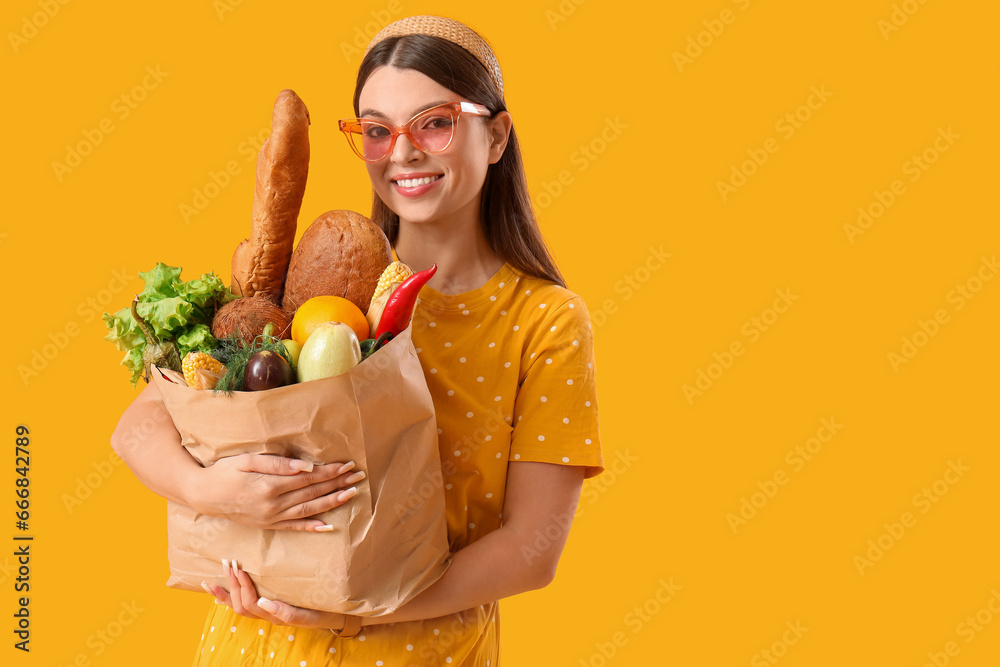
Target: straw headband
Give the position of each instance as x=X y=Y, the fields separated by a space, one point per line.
x=453 y=31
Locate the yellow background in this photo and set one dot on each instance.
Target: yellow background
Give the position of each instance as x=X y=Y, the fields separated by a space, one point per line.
x=573 y=71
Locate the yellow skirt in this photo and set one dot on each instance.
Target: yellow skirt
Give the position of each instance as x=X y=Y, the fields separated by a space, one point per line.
x=466 y=639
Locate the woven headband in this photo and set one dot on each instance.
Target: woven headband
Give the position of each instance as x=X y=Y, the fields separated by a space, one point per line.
x=453 y=31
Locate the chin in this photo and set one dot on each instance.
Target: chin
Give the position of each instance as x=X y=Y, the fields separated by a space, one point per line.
x=415 y=213
x=417 y=218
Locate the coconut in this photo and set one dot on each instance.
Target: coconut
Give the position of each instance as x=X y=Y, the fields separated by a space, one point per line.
x=247 y=317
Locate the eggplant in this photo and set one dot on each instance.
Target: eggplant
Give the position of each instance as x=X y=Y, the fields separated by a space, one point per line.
x=267 y=370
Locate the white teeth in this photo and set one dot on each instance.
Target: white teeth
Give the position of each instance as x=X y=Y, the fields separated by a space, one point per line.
x=414 y=182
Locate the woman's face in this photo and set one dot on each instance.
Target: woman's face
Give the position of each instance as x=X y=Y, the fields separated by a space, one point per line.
x=393 y=96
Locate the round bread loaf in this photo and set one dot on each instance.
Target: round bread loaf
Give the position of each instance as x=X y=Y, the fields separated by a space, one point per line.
x=342 y=253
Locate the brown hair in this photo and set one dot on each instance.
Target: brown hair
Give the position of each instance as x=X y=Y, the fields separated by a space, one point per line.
x=508 y=221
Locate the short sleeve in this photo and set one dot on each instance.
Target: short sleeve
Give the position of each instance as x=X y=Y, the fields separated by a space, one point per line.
x=555 y=410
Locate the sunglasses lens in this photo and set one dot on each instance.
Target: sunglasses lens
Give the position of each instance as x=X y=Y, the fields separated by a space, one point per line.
x=371 y=140
x=433 y=130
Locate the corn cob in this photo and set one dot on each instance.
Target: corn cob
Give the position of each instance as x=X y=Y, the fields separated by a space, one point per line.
x=195 y=360
x=391 y=278
x=396 y=272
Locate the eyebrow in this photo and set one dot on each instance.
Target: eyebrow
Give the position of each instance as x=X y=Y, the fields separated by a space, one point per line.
x=374 y=113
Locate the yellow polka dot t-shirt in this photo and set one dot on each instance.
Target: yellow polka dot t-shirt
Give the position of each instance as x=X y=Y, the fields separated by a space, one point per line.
x=510 y=367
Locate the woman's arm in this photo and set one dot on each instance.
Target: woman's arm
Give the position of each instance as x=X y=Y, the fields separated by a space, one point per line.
x=540 y=500
x=255 y=489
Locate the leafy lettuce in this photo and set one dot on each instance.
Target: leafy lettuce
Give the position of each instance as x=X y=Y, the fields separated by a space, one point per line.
x=175 y=310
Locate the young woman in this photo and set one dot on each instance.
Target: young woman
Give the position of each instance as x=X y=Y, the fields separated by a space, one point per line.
x=507 y=352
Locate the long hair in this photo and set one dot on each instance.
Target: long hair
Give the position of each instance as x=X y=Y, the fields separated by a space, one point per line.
x=508 y=221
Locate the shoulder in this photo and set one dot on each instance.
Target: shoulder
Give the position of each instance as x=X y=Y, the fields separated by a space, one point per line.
x=550 y=316
x=543 y=297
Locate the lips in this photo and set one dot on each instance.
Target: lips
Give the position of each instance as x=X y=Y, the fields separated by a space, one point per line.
x=414 y=182
x=414 y=185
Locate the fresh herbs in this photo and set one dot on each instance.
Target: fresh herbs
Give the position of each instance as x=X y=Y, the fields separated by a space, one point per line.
x=235 y=355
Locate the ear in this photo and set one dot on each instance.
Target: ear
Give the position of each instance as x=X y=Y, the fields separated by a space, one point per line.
x=499 y=134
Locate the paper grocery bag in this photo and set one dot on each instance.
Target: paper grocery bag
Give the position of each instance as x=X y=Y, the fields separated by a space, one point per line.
x=389 y=542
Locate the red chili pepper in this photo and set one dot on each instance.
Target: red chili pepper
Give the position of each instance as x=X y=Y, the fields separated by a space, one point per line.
x=399 y=307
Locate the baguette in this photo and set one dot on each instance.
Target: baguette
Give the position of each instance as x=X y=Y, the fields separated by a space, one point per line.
x=261 y=262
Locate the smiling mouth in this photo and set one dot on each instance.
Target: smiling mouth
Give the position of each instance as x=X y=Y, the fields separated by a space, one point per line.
x=415 y=182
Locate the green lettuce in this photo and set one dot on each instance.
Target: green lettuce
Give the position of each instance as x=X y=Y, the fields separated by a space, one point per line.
x=198 y=338
x=175 y=310
x=159 y=283
x=168 y=317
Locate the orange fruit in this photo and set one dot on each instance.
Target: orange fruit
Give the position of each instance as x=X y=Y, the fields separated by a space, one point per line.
x=321 y=309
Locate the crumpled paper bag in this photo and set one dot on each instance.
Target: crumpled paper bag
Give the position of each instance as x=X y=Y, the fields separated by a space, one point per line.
x=389 y=542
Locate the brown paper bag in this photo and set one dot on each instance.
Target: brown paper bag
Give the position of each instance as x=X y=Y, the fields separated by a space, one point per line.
x=389 y=542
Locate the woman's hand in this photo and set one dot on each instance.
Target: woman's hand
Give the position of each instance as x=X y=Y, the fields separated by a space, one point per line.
x=275 y=492
x=242 y=597
x=259 y=490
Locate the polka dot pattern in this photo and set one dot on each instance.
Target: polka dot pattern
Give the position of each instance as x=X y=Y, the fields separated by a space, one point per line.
x=509 y=367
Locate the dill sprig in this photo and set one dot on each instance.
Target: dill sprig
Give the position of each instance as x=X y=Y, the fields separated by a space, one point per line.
x=234 y=354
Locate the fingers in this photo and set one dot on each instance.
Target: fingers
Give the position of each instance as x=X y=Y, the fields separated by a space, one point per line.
x=221 y=594
x=329 y=476
x=286 y=614
x=243 y=599
x=283 y=498
x=325 y=503
x=306 y=525
x=313 y=508
x=280 y=484
x=249 y=594
x=323 y=492
x=270 y=464
x=243 y=594
x=235 y=589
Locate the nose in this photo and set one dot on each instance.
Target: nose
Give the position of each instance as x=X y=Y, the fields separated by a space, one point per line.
x=403 y=150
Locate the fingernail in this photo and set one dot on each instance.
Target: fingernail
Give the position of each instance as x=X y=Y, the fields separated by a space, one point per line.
x=347 y=493
x=236 y=568
x=344 y=468
x=207 y=589
x=225 y=564
x=267 y=605
x=356 y=477
x=298 y=464
x=323 y=529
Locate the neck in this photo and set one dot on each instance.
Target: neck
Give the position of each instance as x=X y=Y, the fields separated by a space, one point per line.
x=457 y=245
